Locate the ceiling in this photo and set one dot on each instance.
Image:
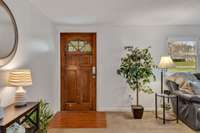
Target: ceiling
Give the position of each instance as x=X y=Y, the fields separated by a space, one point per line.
x=121 y=12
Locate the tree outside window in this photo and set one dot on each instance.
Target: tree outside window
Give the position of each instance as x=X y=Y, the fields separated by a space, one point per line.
x=184 y=55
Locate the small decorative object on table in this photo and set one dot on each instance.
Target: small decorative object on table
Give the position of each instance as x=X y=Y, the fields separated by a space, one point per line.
x=15 y=128
x=165 y=107
x=137 y=68
x=1 y=113
x=167 y=92
x=20 y=78
x=1 y=110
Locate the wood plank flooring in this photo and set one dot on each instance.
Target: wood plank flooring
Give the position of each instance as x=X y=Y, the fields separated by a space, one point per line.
x=78 y=120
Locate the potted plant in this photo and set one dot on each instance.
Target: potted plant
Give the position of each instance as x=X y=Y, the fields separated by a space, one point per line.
x=137 y=68
x=45 y=116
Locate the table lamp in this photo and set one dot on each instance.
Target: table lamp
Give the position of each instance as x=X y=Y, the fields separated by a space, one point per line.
x=165 y=63
x=19 y=79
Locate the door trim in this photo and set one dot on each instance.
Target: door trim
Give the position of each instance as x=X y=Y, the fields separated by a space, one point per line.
x=94 y=98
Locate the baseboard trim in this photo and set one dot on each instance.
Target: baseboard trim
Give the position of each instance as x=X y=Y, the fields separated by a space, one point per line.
x=121 y=109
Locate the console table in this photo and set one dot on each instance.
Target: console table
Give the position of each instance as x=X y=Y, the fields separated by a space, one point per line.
x=14 y=114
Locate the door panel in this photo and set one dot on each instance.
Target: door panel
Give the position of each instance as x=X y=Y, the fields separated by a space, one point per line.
x=85 y=85
x=71 y=95
x=85 y=60
x=78 y=83
x=71 y=60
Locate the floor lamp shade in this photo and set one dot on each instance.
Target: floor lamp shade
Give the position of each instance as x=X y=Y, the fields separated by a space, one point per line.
x=166 y=62
x=19 y=79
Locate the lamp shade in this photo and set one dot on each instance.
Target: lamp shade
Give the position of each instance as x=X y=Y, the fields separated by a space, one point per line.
x=166 y=62
x=20 y=78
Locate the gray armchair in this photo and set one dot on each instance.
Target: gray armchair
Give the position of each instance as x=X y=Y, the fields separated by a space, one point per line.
x=189 y=106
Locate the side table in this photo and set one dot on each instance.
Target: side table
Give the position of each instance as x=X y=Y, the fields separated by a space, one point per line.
x=20 y=115
x=164 y=97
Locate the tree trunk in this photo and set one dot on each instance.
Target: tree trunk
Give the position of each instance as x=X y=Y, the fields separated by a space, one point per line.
x=137 y=95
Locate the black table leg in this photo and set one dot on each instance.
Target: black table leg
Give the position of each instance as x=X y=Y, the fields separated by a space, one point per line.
x=37 y=124
x=156 y=106
x=38 y=116
x=2 y=130
x=163 y=110
x=177 y=111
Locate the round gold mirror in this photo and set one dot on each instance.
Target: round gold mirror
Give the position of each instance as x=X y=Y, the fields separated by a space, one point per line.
x=8 y=34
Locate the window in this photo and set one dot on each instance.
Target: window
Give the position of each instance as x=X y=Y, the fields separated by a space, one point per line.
x=79 y=46
x=184 y=55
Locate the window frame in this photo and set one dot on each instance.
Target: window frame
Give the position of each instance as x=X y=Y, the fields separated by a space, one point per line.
x=187 y=38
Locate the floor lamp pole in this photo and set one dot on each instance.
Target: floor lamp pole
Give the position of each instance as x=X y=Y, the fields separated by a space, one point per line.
x=162 y=73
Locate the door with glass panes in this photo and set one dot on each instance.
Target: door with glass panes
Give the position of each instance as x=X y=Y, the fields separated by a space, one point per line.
x=78 y=71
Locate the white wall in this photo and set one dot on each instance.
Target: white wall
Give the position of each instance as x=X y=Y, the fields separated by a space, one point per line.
x=41 y=53
x=112 y=91
x=6 y=37
x=35 y=52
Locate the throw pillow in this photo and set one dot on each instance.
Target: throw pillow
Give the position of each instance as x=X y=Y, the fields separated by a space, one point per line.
x=183 y=80
x=185 y=75
x=187 y=87
x=195 y=86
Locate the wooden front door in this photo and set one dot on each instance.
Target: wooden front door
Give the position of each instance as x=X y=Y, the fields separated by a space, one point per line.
x=78 y=71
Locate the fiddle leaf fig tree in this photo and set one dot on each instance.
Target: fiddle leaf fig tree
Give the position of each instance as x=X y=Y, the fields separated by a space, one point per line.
x=137 y=68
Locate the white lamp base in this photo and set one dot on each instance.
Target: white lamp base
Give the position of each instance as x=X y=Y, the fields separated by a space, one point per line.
x=20 y=97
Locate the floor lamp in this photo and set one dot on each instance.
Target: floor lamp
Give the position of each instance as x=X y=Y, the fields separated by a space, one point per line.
x=165 y=63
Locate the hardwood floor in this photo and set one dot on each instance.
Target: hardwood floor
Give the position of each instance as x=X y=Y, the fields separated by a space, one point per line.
x=78 y=120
